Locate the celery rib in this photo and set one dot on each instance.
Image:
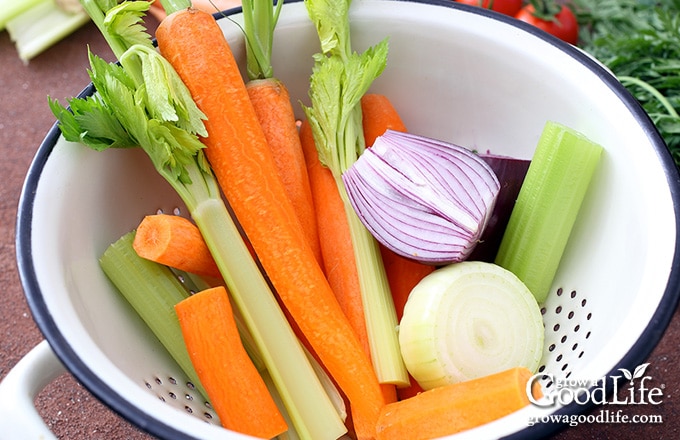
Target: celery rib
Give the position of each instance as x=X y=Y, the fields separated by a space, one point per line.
x=547 y=206
x=42 y=26
x=153 y=302
x=10 y=9
x=335 y=117
x=307 y=403
x=379 y=310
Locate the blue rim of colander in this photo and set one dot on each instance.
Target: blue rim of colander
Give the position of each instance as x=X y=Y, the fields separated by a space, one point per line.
x=110 y=397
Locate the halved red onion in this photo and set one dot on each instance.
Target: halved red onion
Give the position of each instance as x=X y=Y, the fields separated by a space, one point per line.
x=423 y=198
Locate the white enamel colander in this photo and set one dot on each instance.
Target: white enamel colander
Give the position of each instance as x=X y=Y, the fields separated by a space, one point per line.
x=464 y=75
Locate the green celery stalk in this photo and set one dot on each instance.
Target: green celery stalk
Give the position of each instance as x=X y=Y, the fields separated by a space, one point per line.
x=547 y=206
x=41 y=26
x=339 y=79
x=12 y=8
x=153 y=301
x=143 y=103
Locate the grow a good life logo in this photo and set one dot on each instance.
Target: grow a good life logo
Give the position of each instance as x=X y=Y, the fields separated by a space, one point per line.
x=635 y=390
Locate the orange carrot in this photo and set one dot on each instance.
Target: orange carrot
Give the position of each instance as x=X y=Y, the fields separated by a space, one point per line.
x=238 y=152
x=454 y=408
x=273 y=108
x=176 y=242
x=234 y=386
x=210 y=6
x=379 y=115
x=336 y=244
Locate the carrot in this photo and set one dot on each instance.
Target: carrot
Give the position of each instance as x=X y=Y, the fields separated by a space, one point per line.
x=241 y=159
x=336 y=244
x=176 y=242
x=336 y=248
x=273 y=108
x=210 y=6
x=379 y=115
x=454 y=408
x=236 y=390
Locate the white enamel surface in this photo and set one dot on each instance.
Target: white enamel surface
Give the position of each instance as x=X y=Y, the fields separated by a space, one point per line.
x=460 y=77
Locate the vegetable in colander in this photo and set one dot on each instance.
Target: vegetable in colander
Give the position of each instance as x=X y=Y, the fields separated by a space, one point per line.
x=424 y=199
x=468 y=320
x=547 y=206
x=340 y=77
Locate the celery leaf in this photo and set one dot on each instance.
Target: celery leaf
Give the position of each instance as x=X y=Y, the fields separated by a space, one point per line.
x=125 y=23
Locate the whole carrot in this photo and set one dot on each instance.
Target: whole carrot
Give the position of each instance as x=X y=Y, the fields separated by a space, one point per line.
x=241 y=159
x=336 y=247
x=176 y=242
x=236 y=390
x=336 y=244
x=272 y=104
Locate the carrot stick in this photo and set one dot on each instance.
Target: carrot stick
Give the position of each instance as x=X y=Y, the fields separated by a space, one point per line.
x=241 y=159
x=379 y=115
x=175 y=242
x=273 y=108
x=454 y=408
x=236 y=390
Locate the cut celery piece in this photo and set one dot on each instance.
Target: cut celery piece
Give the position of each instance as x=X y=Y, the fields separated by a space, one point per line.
x=13 y=8
x=547 y=206
x=153 y=302
x=42 y=26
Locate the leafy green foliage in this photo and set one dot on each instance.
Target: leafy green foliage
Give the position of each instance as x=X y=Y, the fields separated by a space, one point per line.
x=639 y=40
x=140 y=102
x=340 y=77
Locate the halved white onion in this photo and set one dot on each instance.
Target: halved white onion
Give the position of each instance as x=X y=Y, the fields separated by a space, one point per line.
x=468 y=320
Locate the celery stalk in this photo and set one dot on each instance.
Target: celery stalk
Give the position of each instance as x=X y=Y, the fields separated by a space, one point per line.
x=153 y=302
x=142 y=102
x=42 y=26
x=547 y=206
x=339 y=79
x=12 y=8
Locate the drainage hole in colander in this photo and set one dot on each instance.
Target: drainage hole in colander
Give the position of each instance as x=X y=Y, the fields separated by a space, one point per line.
x=181 y=395
x=567 y=322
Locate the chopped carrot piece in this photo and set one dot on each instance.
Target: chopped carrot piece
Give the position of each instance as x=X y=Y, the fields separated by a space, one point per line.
x=454 y=408
x=176 y=242
x=236 y=390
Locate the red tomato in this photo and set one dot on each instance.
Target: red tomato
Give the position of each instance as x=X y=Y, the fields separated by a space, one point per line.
x=564 y=27
x=507 y=7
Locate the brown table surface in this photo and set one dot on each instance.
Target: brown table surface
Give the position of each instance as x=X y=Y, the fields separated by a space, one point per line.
x=67 y=407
